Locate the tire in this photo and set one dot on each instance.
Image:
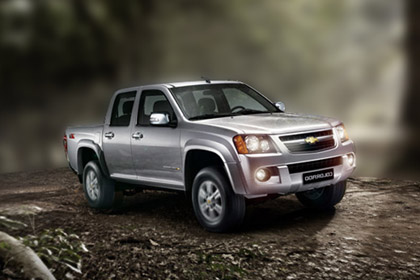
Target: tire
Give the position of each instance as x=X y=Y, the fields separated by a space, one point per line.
x=101 y=193
x=323 y=198
x=216 y=206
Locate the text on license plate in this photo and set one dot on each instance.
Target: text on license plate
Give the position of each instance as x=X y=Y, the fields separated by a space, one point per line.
x=318 y=176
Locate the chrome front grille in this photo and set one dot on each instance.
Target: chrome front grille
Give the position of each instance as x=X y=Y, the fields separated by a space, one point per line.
x=309 y=141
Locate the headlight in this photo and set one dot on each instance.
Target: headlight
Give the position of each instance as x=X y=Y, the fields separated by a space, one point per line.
x=342 y=133
x=253 y=144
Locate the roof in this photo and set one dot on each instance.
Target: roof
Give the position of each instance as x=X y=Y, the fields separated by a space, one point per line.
x=182 y=84
x=200 y=82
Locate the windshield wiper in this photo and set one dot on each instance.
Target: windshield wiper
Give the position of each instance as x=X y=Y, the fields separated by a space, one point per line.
x=249 y=111
x=209 y=116
x=242 y=112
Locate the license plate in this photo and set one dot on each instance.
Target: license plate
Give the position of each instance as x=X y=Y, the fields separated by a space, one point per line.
x=318 y=176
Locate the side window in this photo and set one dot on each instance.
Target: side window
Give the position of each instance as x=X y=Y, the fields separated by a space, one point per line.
x=121 y=111
x=236 y=97
x=153 y=101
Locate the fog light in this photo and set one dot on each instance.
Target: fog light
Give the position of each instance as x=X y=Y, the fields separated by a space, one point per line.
x=262 y=174
x=351 y=159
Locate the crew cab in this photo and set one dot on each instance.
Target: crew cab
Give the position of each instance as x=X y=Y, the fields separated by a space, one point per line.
x=221 y=142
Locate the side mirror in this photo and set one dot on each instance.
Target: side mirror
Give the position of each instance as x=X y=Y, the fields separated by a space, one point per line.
x=159 y=119
x=281 y=106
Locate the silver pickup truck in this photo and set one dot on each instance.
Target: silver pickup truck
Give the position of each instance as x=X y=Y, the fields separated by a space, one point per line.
x=221 y=142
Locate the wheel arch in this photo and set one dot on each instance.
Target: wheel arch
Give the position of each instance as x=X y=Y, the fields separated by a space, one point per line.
x=193 y=164
x=87 y=151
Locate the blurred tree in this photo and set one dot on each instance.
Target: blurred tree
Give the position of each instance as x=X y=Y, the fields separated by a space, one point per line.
x=411 y=114
x=55 y=54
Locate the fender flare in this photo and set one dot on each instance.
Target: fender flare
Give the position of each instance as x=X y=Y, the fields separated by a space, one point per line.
x=237 y=185
x=97 y=150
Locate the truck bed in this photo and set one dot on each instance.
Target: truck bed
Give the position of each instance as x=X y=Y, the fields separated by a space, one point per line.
x=75 y=134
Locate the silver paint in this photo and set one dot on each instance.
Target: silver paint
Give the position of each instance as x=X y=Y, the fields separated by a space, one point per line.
x=145 y=160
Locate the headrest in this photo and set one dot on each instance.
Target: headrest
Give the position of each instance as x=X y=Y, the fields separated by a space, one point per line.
x=162 y=106
x=127 y=107
x=207 y=105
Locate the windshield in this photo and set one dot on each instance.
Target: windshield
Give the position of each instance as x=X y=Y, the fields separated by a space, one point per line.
x=220 y=100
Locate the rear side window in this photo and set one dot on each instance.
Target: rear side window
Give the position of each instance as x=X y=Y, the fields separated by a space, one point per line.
x=153 y=101
x=123 y=106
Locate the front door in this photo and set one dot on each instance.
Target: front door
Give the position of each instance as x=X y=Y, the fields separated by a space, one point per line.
x=117 y=136
x=156 y=149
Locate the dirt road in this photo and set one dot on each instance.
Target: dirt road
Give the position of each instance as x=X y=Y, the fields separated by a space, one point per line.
x=374 y=233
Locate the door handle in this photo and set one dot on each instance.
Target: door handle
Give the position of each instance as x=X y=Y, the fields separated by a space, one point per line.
x=109 y=135
x=137 y=135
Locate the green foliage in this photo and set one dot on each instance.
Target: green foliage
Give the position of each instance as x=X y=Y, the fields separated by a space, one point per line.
x=56 y=247
x=216 y=263
x=4 y=245
x=12 y=224
x=229 y=265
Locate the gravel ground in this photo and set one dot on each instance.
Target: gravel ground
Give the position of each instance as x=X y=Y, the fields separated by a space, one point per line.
x=372 y=234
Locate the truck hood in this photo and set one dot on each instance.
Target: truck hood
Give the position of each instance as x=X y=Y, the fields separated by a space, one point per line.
x=276 y=123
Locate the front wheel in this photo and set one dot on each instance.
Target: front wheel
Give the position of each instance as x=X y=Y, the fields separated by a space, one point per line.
x=100 y=192
x=216 y=206
x=323 y=198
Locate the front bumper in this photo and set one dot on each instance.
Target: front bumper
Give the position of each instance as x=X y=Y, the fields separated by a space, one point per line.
x=283 y=182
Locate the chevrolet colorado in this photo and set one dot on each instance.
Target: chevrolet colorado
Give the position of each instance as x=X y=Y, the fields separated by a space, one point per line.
x=221 y=142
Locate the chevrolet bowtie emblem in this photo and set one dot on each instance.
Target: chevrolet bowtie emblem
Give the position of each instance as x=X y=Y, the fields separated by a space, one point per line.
x=311 y=140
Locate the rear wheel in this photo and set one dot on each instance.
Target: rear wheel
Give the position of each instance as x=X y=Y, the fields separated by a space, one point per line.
x=100 y=191
x=323 y=198
x=216 y=206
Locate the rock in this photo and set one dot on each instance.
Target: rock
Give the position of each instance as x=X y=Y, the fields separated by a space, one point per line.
x=399 y=252
x=23 y=257
x=228 y=256
x=69 y=276
x=350 y=238
x=154 y=243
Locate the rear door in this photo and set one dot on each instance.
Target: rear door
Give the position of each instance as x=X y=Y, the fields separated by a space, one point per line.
x=117 y=136
x=156 y=152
